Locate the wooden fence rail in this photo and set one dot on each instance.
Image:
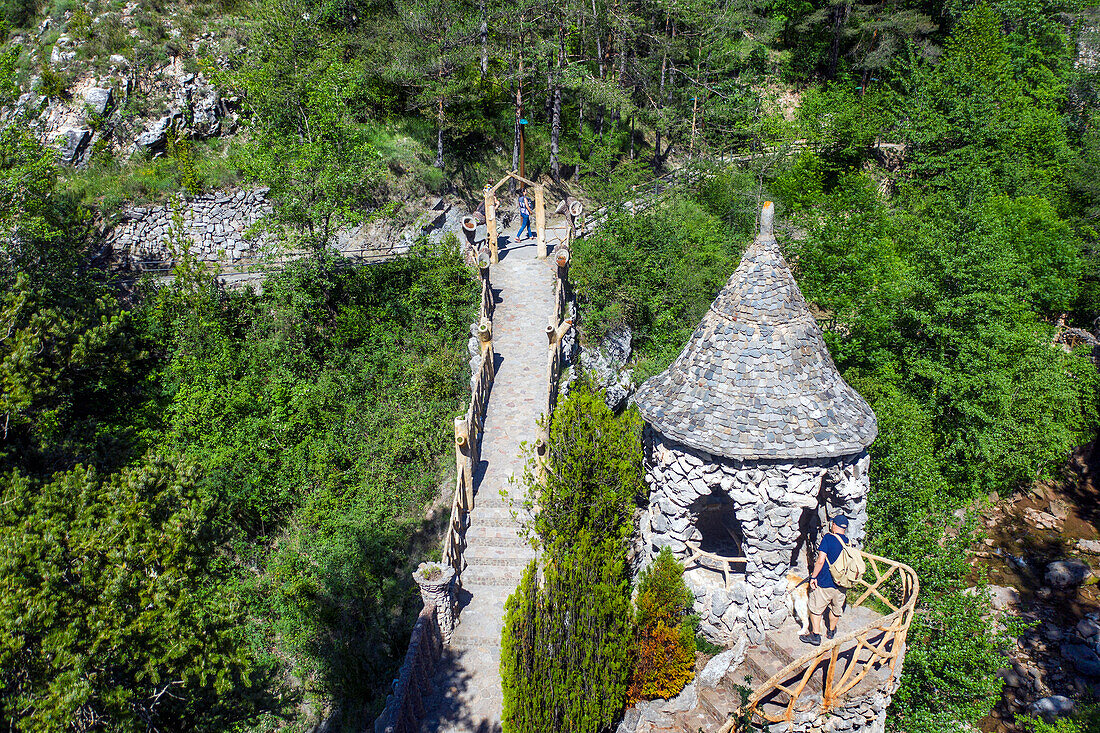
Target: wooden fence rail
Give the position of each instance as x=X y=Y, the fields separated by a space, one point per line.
x=878 y=644
x=468 y=430
x=556 y=330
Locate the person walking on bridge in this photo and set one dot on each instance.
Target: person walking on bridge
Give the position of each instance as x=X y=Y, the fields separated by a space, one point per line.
x=524 y=216
x=825 y=593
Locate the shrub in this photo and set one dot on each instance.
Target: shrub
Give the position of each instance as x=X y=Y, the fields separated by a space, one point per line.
x=595 y=471
x=565 y=652
x=665 y=656
x=566 y=646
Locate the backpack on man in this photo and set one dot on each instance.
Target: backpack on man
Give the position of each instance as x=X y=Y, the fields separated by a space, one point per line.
x=849 y=566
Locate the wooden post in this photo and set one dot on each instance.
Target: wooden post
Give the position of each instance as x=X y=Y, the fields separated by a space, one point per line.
x=485 y=335
x=462 y=460
x=542 y=446
x=491 y=224
x=540 y=221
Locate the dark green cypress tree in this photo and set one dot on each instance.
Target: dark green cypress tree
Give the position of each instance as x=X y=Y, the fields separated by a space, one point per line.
x=568 y=628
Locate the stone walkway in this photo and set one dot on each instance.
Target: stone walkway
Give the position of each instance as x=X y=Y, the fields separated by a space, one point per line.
x=467 y=696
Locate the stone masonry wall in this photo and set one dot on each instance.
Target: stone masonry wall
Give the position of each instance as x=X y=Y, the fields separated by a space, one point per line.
x=779 y=507
x=857 y=714
x=214 y=229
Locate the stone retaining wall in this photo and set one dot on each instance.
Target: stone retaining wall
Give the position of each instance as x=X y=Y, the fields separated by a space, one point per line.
x=214 y=228
x=405 y=706
x=862 y=714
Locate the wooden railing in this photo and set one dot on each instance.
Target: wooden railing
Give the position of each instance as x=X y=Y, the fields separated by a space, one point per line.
x=878 y=644
x=556 y=330
x=468 y=431
x=711 y=561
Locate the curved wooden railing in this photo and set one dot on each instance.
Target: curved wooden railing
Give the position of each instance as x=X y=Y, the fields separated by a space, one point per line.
x=872 y=646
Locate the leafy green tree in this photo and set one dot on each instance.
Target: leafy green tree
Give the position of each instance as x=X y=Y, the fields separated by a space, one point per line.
x=305 y=141
x=113 y=615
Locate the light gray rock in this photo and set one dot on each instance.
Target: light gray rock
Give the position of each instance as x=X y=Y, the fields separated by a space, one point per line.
x=74 y=146
x=630 y=721
x=720 y=665
x=1090 y=546
x=98 y=99
x=618 y=345
x=1066 y=573
x=686 y=700
x=156 y=136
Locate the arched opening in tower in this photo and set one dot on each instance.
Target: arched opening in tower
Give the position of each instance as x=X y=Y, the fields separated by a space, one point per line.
x=716 y=528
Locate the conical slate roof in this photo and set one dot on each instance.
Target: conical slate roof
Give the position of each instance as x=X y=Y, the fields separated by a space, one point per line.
x=755 y=380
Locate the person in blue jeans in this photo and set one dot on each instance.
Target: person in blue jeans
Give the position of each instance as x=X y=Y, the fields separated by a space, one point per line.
x=524 y=216
x=824 y=592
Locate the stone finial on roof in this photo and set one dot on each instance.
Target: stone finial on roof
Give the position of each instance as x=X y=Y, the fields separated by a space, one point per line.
x=755 y=380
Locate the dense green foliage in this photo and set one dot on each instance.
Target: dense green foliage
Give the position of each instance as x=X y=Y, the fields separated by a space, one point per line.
x=210 y=502
x=937 y=290
x=567 y=641
x=657 y=273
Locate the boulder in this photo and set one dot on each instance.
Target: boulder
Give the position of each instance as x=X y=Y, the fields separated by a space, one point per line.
x=204 y=111
x=1051 y=708
x=98 y=100
x=719 y=666
x=74 y=145
x=618 y=345
x=1002 y=598
x=156 y=136
x=1067 y=573
x=1083 y=657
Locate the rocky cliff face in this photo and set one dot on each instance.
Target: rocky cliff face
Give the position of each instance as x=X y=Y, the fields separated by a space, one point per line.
x=85 y=103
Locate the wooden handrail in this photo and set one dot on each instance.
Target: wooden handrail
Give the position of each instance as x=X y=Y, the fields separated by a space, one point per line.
x=555 y=333
x=468 y=431
x=883 y=639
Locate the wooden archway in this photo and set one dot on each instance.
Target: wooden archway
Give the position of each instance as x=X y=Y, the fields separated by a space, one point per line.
x=491 y=213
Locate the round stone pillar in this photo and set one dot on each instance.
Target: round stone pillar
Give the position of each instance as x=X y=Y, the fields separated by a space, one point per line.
x=437 y=588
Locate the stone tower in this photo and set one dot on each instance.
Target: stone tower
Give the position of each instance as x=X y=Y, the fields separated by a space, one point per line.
x=752 y=439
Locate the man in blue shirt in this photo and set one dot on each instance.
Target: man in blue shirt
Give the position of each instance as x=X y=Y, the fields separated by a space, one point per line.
x=824 y=593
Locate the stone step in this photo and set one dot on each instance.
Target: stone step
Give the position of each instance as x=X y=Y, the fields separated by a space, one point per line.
x=697 y=720
x=487 y=554
x=718 y=703
x=480 y=641
x=497 y=576
x=481 y=535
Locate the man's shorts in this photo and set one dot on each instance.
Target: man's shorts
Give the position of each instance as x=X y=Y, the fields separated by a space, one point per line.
x=822 y=598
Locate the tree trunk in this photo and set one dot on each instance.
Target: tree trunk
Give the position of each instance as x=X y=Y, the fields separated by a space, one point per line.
x=840 y=17
x=519 y=116
x=555 y=133
x=632 y=137
x=555 y=123
x=484 y=41
x=439 y=138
